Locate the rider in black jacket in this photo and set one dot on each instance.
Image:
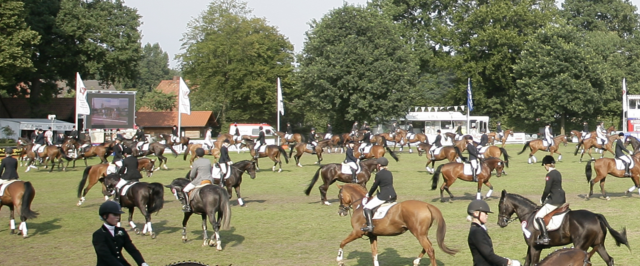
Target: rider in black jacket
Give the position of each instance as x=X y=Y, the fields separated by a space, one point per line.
x=384 y=181
x=473 y=157
x=552 y=197
x=352 y=161
x=260 y=141
x=312 y=140
x=479 y=241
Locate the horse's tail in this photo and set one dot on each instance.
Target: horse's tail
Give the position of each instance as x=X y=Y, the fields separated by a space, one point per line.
x=578 y=147
x=313 y=182
x=186 y=151
x=587 y=171
x=64 y=154
x=284 y=153
x=458 y=152
x=27 y=197
x=620 y=237
x=84 y=180
x=505 y=155
x=156 y=197
x=436 y=177
x=393 y=154
x=524 y=148
x=226 y=210
x=442 y=229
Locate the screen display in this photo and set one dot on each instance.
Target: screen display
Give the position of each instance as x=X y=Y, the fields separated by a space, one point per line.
x=111 y=110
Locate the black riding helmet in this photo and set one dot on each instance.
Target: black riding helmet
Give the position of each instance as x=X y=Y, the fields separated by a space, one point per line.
x=383 y=161
x=478 y=205
x=110 y=207
x=548 y=160
x=199 y=152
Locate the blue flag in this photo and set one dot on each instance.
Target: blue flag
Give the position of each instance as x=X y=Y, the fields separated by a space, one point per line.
x=469 y=96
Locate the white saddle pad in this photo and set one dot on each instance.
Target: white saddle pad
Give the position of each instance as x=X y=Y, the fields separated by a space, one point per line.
x=483 y=149
x=545 y=143
x=143 y=146
x=263 y=148
x=346 y=169
x=620 y=164
x=328 y=136
x=382 y=210
x=366 y=149
x=586 y=136
x=459 y=137
x=215 y=172
x=437 y=151
x=287 y=136
x=237 y=138
x=309 y=147
x=40 y=149
x=467 y=169
x=124 y=189
x=554 y=224
x=5 y=184
x=112 y=169
x=411 y=136
x=163 y=142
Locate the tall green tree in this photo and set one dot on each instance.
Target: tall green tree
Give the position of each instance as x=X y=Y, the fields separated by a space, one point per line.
x=355 y=66
x=153 y=68
x=157 y=101
x=16 y=40
x=232 y=61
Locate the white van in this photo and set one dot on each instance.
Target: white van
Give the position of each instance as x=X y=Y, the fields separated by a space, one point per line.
x=254 y=129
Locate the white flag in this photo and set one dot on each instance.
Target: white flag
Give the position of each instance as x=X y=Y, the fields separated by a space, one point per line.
x=82 y=107
x=184 y=106
x=280 y=100
x=625 y=103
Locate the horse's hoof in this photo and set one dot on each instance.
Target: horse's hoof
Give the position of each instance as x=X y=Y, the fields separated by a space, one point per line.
x=279 y=171
x=153 y=235
x=212 y=243
x=184 y=240
x=136 y=230
x=327 y=203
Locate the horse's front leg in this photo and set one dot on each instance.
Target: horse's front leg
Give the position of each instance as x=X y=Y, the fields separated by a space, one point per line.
x=131 y=223
x=355 y=234
x=486 y=183
x=535 y=256
x=373 y=240
x=185 y=219
x=240 y=202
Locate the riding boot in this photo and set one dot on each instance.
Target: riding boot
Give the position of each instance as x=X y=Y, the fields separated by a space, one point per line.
x=367 y=216
x=543 y=239
x=354 y=176
x=116 y=196
x=185 y=202
x=475 y=176
x=627 y=172
x=313 y=149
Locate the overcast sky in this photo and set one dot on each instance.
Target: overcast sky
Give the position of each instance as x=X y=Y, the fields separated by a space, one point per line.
x=164 y=21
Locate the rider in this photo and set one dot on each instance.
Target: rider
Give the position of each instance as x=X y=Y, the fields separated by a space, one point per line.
x=484 y=139
x=619 y=155
x=436 y=144
x=459 y=130
x=352 y=161
x=329 y=133
x=74 y=133
x=48 y=135
x=479 y=240
x=200 y=171
x=585 y=130
x=207 y=139
x=118 y=150
x=473 y=157
x=260 y=141
x=384 y=180
x=552 y=197
x=119 y=134
x=392 y=130
x=365 y=126
x=499 y=130
x=236 y=133
x=289 y=131
x=128 y=172
x=354 y=129
x=59 y=139
x=601 y=133
x=548 y=136
x=312 y=140
x=109 y=240
x=39 y=142
x=8 y=167
x=174 y=134
x=224 y=161
x=140 y=138
x=366 y=140
x=410 y=131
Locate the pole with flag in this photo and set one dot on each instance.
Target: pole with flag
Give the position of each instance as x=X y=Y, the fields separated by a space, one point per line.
x=469 y=103
x=280 y=110
x=625 y=105
x=82 y=107
x=184 y=106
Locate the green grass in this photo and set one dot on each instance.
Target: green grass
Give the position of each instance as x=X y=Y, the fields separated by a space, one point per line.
x=282 y=226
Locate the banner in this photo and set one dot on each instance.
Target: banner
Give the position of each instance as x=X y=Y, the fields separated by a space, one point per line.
x=82 y=107
x=184 y=106
x=469 y=96
x=625 y=102
x=280 y=100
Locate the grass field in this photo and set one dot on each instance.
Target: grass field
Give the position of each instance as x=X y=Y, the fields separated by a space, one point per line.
x=282 y=226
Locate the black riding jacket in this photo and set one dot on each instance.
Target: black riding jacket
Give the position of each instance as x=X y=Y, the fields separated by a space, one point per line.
x=289 y=130
x=367 y=138
x=224 y=155
x=354 y=127
x=384 y=180
x=585 y=128
x=237 y=132
x=553 y=193
x=484 y=139
x=140 y=136
x=174 y=131
x=437 y=141
x=481 y=248
x=312 y=138
x=350 y=156
x=619 y=148
x=261 y=138
x=499 y=129
x=410 y=129
x=40 y=139
x=473 y=151
x=329 y=130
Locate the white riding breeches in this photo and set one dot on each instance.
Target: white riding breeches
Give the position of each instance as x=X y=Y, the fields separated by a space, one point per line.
x=549 y=141
x=188 y=188
x=328 y=136
x=353 y=166
x=314 y=143
x=225 y=168
x=36 y=147
x=121 y=183
x=474 y=165
x=625 y=158
x=546 y=209
x=373 y=202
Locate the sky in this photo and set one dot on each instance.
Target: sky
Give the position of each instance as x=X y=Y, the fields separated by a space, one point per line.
x=164 y=21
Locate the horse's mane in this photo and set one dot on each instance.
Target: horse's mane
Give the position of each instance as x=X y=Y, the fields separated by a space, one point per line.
x=180 y=182
x=354 y=187
x=242 y=163
x=519 y=198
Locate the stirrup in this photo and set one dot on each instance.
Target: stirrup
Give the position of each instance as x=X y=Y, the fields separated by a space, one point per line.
x=368 y=228
x=543 y=240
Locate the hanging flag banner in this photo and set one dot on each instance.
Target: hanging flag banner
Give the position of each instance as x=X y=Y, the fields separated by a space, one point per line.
x=82 y=107
x=280 y=100
x=184 y=106
x=469 y=95
x=455 y=107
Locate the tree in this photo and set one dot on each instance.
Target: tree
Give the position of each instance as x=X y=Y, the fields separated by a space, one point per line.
x=232 y=61
x=16 y=39
x=153 y=68
x=157 y=101
x=355 y=66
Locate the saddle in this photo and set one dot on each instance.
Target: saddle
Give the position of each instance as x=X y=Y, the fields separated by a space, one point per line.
x=560 y=210
x=554 y=219
x=380 y=211
x=126 y=187
x=5 y=184
x=346 y=169
x=620 y=164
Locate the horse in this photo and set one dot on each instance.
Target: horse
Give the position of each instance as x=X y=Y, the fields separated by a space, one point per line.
x=447 y=152
x=301 y=148
x=582 y=228
x=537 y=144
x=376 y=151
x=157 y=148
x=595 y=143
x=507 y=133
x=49 y=154
x=21 y=149
x=183 y=142
x=415 y=216
x=208 y=200
x=148 y=197
x=333 y=172
x=494 y=151
x=454 y=170
x=607 y=166
x=95 y=172
x=271 y=151
x=215 y=152
x=295 y=138
x=566 y=257
x=18 y=195
x=384 y=137
x=635 y=143
x=235 y=178
x=102 y=151
x=419 y=137
x=335 y=143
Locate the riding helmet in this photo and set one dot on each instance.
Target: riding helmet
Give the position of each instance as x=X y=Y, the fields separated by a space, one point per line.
x=110 y=207
x=621 y=134
x=260 y=128
x=548 y=160
x=478 y=205
x=127 y=150
x=383 y=161
x=199 y=152
x=438 y=130
x=8 y=151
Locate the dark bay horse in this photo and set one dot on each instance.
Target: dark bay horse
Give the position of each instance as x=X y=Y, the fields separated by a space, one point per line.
x=18 y=196
x=581 y=228
x=635 y=143
x=376 y=151
x=412 y=215
x=333 y=172
x=208 y=201
x=157 y=148
x=566 y=257
x=271 y=151
x=607 y=166
x=301 y=149
x=335 y=143
x=93 y=173
x=295 y=138
x=148 y=197
x=536 y=145
x=587 y=144
x=235 y=178
x=191 y=151
x=454 y=170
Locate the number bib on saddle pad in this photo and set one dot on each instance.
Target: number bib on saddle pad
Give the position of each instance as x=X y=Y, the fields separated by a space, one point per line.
x=126 y=187
x=620 y=164
x=436 y=151
x=366 y=149
x=382 y=210
x=554 y=223
x=5 y=184
x=483 y=149
x=346 y=169
x=467 y=169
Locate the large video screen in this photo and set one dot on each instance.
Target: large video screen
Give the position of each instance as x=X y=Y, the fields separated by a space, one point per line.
x=111 y=110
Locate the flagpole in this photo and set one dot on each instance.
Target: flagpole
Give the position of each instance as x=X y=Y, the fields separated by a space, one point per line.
x=468 y=84
x=278 y=107
x=179 y=107
x=624 y=105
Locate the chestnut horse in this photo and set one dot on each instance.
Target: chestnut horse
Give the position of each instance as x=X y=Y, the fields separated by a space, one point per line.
x=295 y=138
x=536 y=145
x=301 y=149
x=446 y=153
x=596 y=143
x=49 y=154
x=95 y=172
x=566 y=257
x=581 y=228
x=333 y=172
x=607 y=166
x=419 y=137
x=271 y=151
x=494 y=135
x=494 y=151
x=184 y=142
x=102 y=151
x=18 y=196
x=379 y=138
x=453 y=170
x=413 y=215
x=192 y=152
x=376 y=151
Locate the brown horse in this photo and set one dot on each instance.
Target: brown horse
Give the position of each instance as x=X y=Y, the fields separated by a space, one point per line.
x=271 y=151
x=333 y=172
x=295 y=138
x=301 y=148
x=587 y=144
x=452 y=171
x=235 y=177
x=497 y=152
x=447 y=153
x=102 y=151
x=192 y=152
x=183 y=142
x=419 y=137
x=536 y=145
x=336 y=143
x=95 y=172
x=49 y=154
x=157 y=148
x=607 y=166
x=18 y=196
x=566 y=257
x=376 y=151
x=494 y=136
x=415 y=216
x=379 y=138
